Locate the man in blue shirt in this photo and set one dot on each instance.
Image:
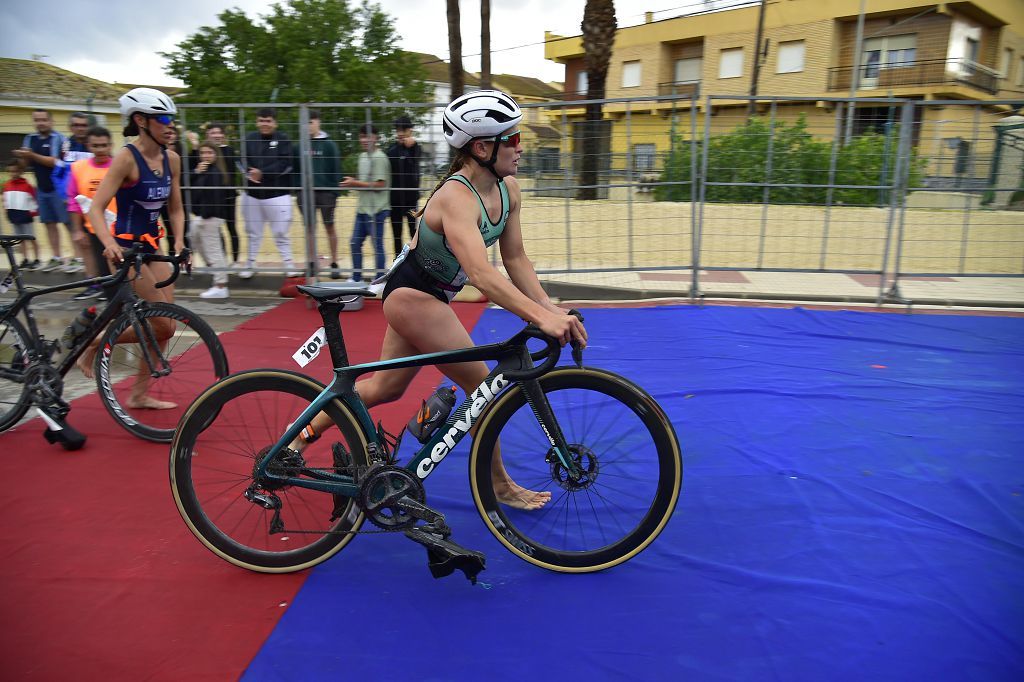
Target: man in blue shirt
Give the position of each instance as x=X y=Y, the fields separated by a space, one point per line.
x=42 y=151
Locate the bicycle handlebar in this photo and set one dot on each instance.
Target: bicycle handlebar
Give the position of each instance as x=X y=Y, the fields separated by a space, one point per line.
x=550 y=354
x=131 y=256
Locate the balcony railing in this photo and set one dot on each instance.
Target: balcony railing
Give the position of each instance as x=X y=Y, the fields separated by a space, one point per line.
x=685 y=88
x=922 y=72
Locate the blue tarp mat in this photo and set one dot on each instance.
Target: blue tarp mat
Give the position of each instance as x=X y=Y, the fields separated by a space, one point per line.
x=852 y=508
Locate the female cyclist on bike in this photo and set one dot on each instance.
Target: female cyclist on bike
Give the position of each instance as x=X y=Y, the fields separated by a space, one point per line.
x=144 y=176
x=476 y=204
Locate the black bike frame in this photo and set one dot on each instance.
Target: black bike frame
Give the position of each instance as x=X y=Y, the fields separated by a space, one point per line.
x=514 y=366
x=121 y=298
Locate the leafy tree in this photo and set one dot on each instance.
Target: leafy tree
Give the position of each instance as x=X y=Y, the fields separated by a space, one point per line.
x=301 y=51
x=741 y=156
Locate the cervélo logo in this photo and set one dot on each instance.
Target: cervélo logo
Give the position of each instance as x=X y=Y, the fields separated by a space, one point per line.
x=479 y=399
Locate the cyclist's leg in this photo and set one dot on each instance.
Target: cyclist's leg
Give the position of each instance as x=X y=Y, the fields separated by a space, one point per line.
x=163 y=329
x=431 y=326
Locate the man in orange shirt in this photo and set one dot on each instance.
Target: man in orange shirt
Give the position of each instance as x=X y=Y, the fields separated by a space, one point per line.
x=86 y=175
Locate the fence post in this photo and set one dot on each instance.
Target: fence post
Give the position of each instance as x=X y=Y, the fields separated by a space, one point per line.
x=897 y=202
x=693 y=182
x=833 y=157
x=565 y=191
x=695 y=280
x=629 y=183
x=186 y=171
x=767 y=185
x=971 y=161
x=306 y=192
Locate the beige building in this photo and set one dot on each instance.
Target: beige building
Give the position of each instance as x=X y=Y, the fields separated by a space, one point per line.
x=26 y=85
x=910 y=49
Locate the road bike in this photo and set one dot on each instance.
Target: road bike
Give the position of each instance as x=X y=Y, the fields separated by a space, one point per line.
x=160 y=348
x=603 y=447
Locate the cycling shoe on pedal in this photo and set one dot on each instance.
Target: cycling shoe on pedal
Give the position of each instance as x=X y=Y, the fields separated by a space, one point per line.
x=445 y=557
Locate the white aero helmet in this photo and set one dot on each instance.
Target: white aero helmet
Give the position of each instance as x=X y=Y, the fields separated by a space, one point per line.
x=479 y=114
x=146 y=101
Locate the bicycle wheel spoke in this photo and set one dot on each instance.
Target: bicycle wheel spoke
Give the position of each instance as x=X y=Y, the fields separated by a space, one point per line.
x=614 y=497
x=231 y=428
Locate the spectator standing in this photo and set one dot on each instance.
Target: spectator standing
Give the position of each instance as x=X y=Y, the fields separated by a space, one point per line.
x=20 y=202
x=41 y=150
x=84 y=179
x=404 y=155
x=267 y=199
x=75 y=148
x=373 y=201
x=174 y=144
x=209 y=195
x=215 y=133
x=326 y=175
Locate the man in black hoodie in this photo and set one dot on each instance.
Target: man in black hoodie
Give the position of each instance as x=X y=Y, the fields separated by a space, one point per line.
x=404 y=156
x=269 y=158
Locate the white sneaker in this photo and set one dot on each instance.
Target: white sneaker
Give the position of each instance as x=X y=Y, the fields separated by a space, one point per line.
x=74 y=265
x=51 y=265
x=246 y=274
x=294 y=273
x=215 y=292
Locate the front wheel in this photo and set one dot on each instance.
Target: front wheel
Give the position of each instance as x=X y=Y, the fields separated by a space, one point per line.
x=163 y=339
x=628 y=456
x=224 y=435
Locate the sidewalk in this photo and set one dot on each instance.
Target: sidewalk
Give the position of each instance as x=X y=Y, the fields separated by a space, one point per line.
x=969 y=292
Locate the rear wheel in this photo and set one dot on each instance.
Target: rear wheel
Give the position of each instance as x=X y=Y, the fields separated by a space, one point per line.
x=628 y=455
x=175 y=342
x=223 y=436
x=14 y=398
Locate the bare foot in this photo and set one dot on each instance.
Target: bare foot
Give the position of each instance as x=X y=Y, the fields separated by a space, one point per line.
x=146 y=402
x=85 y=361
x=518 y=497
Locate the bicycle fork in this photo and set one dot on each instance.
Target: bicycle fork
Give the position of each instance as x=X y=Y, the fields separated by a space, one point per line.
x=150 y=349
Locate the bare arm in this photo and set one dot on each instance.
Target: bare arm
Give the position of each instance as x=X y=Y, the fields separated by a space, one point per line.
x=175 y=208
x=513 y=253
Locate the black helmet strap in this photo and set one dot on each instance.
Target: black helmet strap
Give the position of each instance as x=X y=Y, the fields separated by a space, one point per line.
x=488 y=163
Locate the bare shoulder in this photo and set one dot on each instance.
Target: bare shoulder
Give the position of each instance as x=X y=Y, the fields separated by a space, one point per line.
x=514 y=191
x=174 y=159
x=456 y=199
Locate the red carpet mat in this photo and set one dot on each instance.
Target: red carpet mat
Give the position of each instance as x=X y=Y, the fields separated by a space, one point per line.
x=102 y=580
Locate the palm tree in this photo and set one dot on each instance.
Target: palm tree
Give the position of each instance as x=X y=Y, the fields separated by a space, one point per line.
x=598 y=37
x=455 y=73
x=485 y=44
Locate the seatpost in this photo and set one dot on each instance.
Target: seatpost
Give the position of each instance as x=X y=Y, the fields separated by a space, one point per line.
x=330 y=312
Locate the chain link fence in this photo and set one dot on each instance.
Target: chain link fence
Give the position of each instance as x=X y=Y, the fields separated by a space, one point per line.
x=687 y=185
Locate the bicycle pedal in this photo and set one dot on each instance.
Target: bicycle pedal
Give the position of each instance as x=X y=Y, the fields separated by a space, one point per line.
x=444 y=557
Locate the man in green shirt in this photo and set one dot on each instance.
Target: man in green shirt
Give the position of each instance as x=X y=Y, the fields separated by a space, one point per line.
x=373 y=205
x=326 y=172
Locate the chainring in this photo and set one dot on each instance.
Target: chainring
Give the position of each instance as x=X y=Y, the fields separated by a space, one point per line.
x=381 y=488
x=44 y=383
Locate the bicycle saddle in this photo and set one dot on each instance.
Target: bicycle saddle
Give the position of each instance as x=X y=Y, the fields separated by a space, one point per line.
x=325 y=292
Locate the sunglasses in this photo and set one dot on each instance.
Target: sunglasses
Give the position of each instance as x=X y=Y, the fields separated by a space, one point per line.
x=510 y=140
x=162 y=119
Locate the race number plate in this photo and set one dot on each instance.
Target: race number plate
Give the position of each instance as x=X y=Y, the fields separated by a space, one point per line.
x=311 y=348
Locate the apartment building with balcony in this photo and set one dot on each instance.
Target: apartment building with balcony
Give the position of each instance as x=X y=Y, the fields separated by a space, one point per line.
x=925 y=51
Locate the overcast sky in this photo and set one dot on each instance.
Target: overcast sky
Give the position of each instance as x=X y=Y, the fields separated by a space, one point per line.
x=118 y=40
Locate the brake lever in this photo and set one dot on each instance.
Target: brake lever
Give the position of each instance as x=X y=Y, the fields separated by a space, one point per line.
x=577 y=348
